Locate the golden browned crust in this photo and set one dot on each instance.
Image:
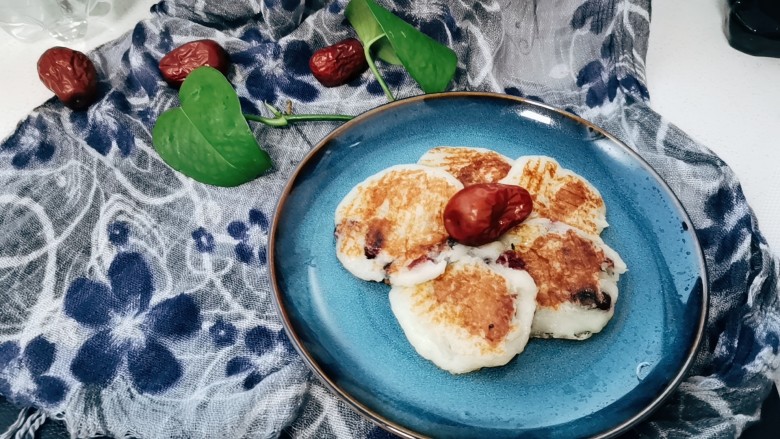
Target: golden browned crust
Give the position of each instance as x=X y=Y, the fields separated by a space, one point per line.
x=565 y=267
x=400 y=215
x=476 y=299
x=561 y=197
x=472 y=166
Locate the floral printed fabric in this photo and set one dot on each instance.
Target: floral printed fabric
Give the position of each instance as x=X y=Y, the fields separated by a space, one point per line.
x=137 y=302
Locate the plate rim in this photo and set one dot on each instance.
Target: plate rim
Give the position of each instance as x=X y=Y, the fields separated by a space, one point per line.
x=405 y=432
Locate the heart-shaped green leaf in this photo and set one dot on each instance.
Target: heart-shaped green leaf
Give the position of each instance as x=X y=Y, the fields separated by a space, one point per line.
x=431 y=64
x=207 y=138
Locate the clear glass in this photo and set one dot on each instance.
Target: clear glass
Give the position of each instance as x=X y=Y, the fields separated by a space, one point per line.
x=29 y=20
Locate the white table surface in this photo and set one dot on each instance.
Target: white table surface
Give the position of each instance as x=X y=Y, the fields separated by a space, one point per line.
x=727 y=100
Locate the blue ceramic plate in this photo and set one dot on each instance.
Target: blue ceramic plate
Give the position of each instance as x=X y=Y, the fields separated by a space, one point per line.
x=345 y=330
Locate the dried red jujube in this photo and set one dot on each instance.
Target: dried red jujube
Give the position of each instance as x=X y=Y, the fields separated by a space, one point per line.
x=338 y=64
x=70 y=75
x=480 y=213
x=179 y=62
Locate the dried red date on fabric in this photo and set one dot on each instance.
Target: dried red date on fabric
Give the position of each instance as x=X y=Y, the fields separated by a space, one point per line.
x=179 y=62
x=70 y=75
x=480 y=213
x=338 y=64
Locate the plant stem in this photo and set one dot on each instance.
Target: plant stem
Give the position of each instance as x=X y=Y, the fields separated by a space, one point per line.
x=372 y=66
x=317 y=117
x=280 y=120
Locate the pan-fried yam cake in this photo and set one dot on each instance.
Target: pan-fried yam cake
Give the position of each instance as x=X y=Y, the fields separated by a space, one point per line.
x=389 y=227
x=469 y=165
x=466 y=307
x=576 y=274
x=559 y=194
x=474 y=315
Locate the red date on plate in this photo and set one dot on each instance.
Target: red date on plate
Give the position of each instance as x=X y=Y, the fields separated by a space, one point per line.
x=480 y=213
x=70 y=75
x=179 y=62
x=338 y=64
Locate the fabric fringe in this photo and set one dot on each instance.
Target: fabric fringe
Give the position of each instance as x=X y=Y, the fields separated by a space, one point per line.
x=26 y=424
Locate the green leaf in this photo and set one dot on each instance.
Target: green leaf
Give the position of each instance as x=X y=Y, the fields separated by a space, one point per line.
x=431 y=64
x=385 y=52
x=208 y=138
x=368 y=29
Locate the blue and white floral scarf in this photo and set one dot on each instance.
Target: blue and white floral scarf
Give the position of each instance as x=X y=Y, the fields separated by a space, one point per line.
x=136 y=302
